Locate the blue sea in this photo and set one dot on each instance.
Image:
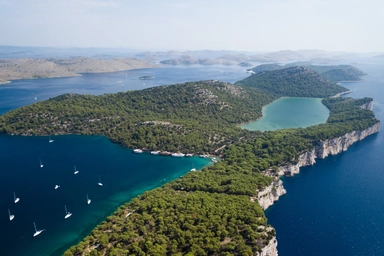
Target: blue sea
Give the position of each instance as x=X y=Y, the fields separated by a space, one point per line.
x=335 y=207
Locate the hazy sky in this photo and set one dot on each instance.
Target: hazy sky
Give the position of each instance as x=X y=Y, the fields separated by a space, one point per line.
x=244 y=25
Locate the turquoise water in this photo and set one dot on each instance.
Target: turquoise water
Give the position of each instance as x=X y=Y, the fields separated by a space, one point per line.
x=336 y=207
x=290 y=113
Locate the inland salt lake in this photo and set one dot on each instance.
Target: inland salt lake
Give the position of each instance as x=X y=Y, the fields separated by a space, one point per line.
x=335 y=207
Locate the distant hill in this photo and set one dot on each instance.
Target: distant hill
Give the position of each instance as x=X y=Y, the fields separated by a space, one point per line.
x=296 y=81
x=337 y=73
x=234 y=58
x=13 y=69
x=187 y=60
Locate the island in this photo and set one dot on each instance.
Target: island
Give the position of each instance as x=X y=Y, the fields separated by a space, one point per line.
x=335 y=73
x=218 y=210
x=32 y=68
x=146 y=77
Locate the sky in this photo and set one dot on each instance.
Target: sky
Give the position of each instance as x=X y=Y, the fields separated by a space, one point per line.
x=241 y=25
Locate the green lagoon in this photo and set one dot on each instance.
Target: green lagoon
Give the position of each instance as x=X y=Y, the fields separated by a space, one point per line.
x=290 y=113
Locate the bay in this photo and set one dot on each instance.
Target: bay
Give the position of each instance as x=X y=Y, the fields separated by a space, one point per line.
x=290 y=112
x=336 y=207
x=124 y=174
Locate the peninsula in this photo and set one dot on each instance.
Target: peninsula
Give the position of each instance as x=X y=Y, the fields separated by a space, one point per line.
x=214 y=211
x=13 y=69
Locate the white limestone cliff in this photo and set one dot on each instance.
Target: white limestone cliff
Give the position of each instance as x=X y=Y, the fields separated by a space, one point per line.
x=270 y=249
x=333 y=146
x=270 y=194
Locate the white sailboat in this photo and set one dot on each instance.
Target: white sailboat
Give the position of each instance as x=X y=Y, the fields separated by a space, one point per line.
x=99 y=183
x=16 y=199
x=57 y=186
x=88 y=200
x=41 y=165
x=37 y=232
x=10 y=215
x=67 y=214
x=76 y=171
x=50 y=140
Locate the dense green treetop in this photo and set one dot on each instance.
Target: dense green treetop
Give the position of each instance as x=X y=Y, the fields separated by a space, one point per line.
x=335 y=73
x=295 y=81
x=196 y=117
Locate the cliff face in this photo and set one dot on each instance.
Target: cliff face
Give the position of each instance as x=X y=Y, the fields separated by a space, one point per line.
x=270 y=249
x=328 y=147
x=368 y=106
x=271 y=194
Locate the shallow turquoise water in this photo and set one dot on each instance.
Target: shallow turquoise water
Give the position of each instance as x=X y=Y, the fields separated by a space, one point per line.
x=290 y=113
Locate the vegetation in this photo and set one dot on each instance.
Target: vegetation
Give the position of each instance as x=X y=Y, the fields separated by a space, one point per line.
x=195 y=117
x=294 y=82
x=208 y=212
x=333 y=73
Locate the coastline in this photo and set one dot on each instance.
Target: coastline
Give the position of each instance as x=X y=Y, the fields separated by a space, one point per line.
x=29 y=68
x=332 y=146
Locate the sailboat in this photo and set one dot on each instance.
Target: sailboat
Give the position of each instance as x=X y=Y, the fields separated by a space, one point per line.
x=76 y=171
x=67 y=214
x=100 y=184
x=16 y=199
x=57 y=186
x=41 y=165
x=50 y=140
x=88 y=200
x=37 y=232
x=10 y=215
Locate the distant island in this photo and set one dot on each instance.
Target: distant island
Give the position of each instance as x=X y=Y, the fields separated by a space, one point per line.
x=219 y=210
x=13 y=69
x=335 y=73
x=146 y=77
x=240 y=58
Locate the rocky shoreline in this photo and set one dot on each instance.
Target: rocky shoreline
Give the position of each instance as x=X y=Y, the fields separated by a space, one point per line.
x=333 y=146
x=328 y=147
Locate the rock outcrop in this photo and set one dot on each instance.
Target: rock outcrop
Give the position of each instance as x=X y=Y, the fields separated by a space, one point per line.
x=328 y=147
x=271 y=194
x=270 y=249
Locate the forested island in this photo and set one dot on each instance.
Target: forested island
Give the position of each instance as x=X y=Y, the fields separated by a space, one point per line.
x=209 y=212
x=334 y=73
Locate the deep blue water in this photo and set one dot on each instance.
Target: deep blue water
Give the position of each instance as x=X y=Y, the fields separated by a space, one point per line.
x=336 y=207
x=123 y=173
